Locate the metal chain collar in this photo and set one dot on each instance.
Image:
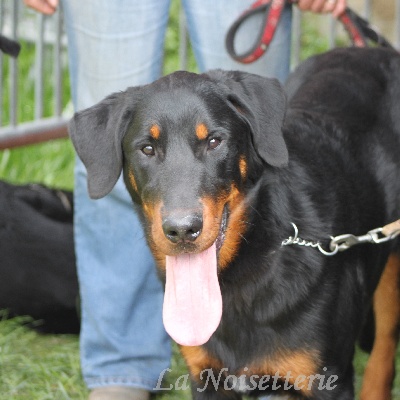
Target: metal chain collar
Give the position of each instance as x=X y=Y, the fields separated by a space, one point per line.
x=344 y=242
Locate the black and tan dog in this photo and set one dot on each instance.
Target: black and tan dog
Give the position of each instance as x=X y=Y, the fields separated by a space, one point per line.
x=219 y=167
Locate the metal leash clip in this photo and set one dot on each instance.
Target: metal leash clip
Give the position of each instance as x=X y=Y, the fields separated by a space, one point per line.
x=377 y=236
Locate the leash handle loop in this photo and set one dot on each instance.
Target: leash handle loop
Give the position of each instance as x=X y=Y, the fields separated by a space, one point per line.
x=272 y=10
x=358 y=29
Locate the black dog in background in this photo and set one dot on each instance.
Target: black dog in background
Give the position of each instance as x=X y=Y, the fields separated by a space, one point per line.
x=37 y=259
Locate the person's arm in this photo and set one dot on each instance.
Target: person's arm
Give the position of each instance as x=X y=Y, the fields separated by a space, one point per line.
x=336 y=7
x=44 y=6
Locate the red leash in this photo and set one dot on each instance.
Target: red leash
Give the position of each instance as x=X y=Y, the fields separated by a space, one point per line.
x=272 y=13
x=359 y=30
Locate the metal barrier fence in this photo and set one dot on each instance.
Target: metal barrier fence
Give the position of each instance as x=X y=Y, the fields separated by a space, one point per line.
x=43 y=33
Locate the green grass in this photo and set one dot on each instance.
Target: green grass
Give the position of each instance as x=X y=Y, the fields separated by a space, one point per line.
x=34 y=366
x=50 y=163
x=46 y=367
x=41 y=367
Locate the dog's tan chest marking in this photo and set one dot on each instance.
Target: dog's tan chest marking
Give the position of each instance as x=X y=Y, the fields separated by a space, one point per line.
x=298 y=366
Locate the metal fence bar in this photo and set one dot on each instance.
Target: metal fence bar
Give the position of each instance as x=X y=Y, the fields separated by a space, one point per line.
x=296 y=36
x=332 y=32
x=183 y=41
x=397 y=24
x=39 y=67
x=13 y=67
x=33 y=132
x=1 y=65
x=57 y=65
x=368 y=9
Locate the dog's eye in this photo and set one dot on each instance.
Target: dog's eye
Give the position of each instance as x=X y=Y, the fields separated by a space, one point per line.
x=148 y=150
x=213 y=143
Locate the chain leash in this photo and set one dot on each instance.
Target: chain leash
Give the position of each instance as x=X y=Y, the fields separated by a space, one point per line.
x=345 y=242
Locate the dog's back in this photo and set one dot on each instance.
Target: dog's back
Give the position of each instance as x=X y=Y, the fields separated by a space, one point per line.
x=351 y=96
x=354 y=94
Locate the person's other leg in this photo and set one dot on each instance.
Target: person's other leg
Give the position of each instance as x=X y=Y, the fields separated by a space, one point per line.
x=113 y=45
x=209 y=20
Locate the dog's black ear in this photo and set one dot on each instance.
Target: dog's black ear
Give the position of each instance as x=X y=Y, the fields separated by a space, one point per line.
x=262 y=103
x=97 y=134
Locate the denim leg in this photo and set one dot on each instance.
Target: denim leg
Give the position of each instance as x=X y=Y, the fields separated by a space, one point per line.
x=208 y=22
x=113 y=45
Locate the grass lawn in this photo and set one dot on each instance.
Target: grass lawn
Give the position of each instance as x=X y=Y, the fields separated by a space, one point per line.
x=41 y=367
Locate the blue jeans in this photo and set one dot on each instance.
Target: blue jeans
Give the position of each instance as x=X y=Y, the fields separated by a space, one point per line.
x=113 y=45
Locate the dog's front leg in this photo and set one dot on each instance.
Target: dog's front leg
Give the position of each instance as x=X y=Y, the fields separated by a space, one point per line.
x=380 y=370
x=209 y=378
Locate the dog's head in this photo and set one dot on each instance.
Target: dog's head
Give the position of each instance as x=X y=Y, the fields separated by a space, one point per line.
x=189 y=146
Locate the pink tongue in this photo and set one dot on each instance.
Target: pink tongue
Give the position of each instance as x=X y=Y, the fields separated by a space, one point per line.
x=192 y=300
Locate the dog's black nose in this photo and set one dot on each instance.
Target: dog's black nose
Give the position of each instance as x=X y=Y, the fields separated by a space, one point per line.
x=182 y=228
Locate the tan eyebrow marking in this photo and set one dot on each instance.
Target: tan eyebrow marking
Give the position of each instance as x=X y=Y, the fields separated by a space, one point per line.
x=243 y=167
x=155 y=131
x=201 y=131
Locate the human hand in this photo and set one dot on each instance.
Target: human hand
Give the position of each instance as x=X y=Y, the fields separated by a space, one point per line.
x=44 y=6
x=336 y=7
